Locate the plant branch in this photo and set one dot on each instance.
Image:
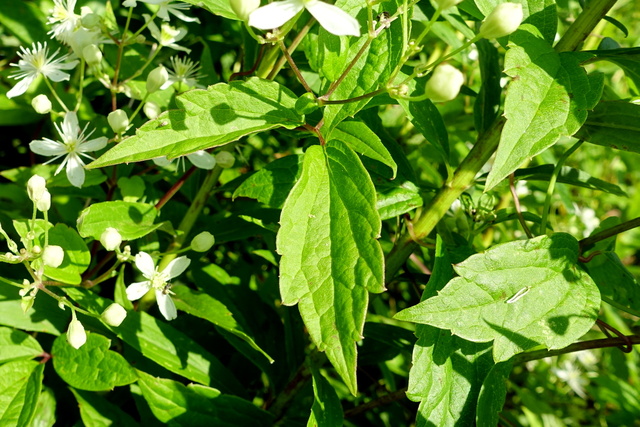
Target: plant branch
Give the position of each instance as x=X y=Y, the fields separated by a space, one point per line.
x=591 y=15
x=579 y=346
x=587 y=243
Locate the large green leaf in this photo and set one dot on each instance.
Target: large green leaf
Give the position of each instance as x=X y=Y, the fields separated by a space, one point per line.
x=93 y=366
x=76 y=255
x=613 y=124
x=16 y=345
x=209 y=118
x=196 y=405
x=548 y=98
x=326 y=410
x=444 y=367
x=97 y=411
x=330 y=255
x=492 y=395
x=20 y=385
x=519 y=294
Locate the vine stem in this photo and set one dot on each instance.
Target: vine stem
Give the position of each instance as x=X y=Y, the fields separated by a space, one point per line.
x=484 y=148
x=579 y=346
x=588 y=242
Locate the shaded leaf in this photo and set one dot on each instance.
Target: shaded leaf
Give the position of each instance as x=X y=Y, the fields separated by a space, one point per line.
x=330 y=255
x=327 y=409
x=20 y=385
x=427 y=119
x=613 y=124
x=97 y=411
x=132 y=220
x=568 y=175
x=487 y=302
x=493 y=394
x=16 y=345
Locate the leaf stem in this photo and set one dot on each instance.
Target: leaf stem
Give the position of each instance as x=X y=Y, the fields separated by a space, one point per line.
x=588 y=242
x=552 y=183
x=294 y=45
x=516 y=202
x=579 y=346
x=294 y=67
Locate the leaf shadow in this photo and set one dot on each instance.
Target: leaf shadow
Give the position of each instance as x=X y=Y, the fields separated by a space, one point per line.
x=518 y=339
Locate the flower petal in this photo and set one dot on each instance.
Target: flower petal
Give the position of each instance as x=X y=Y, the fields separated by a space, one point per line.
x=137 y=290
x=93 y=145
x=166 y=305
x=145 y=264
x=21 y=87
x=177 y=267
x=75 y=170
x=70 y=128
x=56 y=75
x=47 y=147
x=334 y=19
x=201 y=159
x=275 y=14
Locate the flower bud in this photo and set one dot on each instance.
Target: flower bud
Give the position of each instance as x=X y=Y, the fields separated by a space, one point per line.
x=502 y=21
x=243 y=8
x=36 y=186
x=44 y=204
x=92 y=54
x=114 y=315
x=26 y=302
x=90 y=21
x=151 y=110
x=156 y=78
x=225 y=159
x=444 y=84
x=203 y=242
x=110 y=239
x=446 y=4
x=76 y=336
x=118 y=121
x=41 y=104
x=53 y=256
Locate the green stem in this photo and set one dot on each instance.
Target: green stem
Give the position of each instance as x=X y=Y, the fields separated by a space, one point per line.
x=292 y=48
x=552 y=184
x=587 y=243
x=294 y=67
x=81 y=85
x=620 y=306
x=55 y=95
x=579 y=346
x=591 y=15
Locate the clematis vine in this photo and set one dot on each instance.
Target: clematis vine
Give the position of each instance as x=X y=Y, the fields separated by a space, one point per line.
x=158 y=281
x=331 y=18
x=74 y=144
x=167 y=35
x=166 y=7
x=200 y=159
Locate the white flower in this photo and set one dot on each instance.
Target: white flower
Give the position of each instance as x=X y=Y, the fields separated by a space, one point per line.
x=37 y=61
x=332 y=18
x=158 y=281
x=502 y=21
x=444 y=84
x=76 y=336
x=74 y=144
x=183 y=71
x=200 y=159
x=63 y=20
x=166 y=7
x=569 y=373
x=114 y=315
x=111 y=239
x=167 y=35
x=36 y=186
x=41 y=104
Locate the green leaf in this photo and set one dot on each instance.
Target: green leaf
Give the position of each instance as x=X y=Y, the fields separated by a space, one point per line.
x=196 y=405
x=493 y=394
x=271 y=185
x=370 y=71
x=519 y=294
x=613 y=279
x=24 y=20
x=447 y=372
x=96 y=411
x=327 y=409
x=20 y=385
x=206 y=307
x=487 y=103
x=93 y=366
x=330 y=254
x=363 y=140
x=163 y=344
x=217 y=7
x=76 y=255
x=396 y=198
x=45 y=414
x=427 y=119
x=14 y=113
x=626 y=58
x=613 y=124
x=45 y=315
x=548 y=98
x=209 y=118
x=15 y=345
x=568 y=175
x=132 y=220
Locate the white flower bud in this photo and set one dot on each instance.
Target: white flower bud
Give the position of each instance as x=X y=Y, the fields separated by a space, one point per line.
x=41 y=104
x=27 y=302
x=110 y=239
x=446 y=4
x=156 y=78
x=243 y=8
x=502 y=21
x=444 y=84
x=92 y=54
x=225 y=159
x=76 y=336
x=53 y=256
x=114 y=315
x=203 y=242
x=36 y=186
x=151 y=110
x=44 y=204
x=118 y=121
